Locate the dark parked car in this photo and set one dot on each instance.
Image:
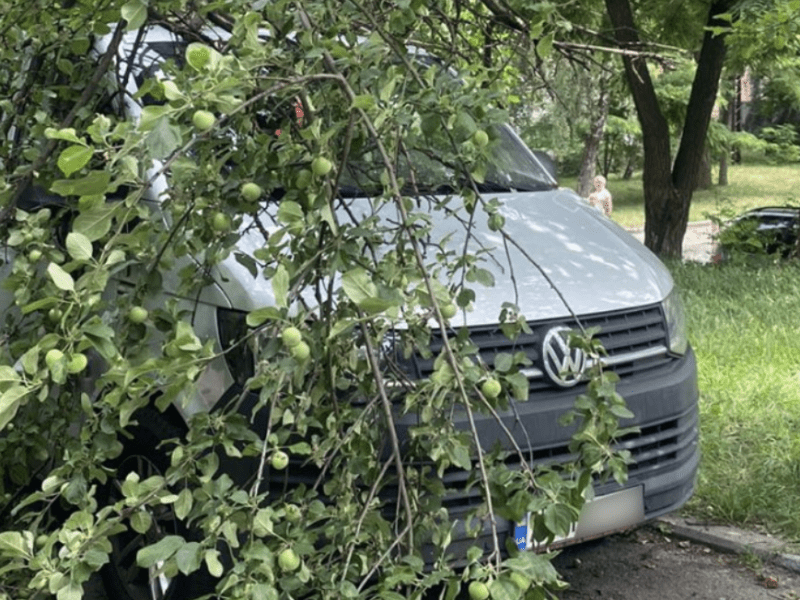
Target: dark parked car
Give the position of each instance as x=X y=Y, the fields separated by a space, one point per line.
x=766 y=230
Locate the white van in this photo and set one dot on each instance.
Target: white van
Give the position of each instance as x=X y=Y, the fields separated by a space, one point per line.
x=590 y=270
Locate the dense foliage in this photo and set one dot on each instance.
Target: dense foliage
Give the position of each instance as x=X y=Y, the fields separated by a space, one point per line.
x=86 y=360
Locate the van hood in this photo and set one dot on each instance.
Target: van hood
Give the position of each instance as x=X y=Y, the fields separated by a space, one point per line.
x=562 y=256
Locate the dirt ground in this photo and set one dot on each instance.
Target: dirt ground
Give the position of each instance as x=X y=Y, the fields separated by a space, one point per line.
x=649 y=565
x=698 y=243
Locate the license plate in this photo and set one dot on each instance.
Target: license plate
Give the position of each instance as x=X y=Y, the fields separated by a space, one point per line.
x=599 y=516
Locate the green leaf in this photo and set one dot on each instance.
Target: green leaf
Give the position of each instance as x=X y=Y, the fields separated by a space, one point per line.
x=30 y=360
x=621 y=412
x=160 y=551
x=340 y=327
x=200 y=56
x=151 y=115
x=188 y=558
x=520 y=386
x=94 y=222
x=358 y=286
x=262 y=523
x=289 y=212
x=74 y=159
x=67 y=134
x=72 y=591
x=79 y=246
x=503 y=362
x=364 y=101
x=141 y=521
x=95 y=183
x=135 y=13
x=164 y=138
x=212 y=563
x=280 y=286
x=503 y=589
x=95 y=558
x=13 y=544
x=260 y=315
x=8 y=375
x=39 y=304
x=544 y=48
x=61 y=278
x=183 y=505
x=481 y=276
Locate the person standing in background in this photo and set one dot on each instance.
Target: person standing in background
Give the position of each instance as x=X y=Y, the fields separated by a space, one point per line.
x=601 y=197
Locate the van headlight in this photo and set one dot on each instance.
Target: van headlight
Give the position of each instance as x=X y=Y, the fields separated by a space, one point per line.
x=676 y=322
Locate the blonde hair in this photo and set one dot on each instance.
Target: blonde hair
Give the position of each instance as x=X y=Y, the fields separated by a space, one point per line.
x=601 y=179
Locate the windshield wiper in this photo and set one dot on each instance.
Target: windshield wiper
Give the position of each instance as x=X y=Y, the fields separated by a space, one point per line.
x=491 y=186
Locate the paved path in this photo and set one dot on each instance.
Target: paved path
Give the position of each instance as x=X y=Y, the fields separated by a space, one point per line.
x=698 y=243
x=649 y=564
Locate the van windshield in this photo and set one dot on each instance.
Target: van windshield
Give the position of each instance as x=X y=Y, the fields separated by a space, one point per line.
x=511 y=167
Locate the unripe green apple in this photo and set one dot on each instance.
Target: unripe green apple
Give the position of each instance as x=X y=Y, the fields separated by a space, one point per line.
x=491 y=388
x=288 y=560
x=496 y=222
x=35 y=255
x=293 y=513
x=137 y=314
x=77 y=363
x=291 y=336
x=480 y=138
x=52 y=357
x=279 y=460
x=448 y=310
x=251 y=191
x=321 y=166
x=203 y=120
x=221 y=222
x=198 y=55
x=301 y=351
x=478 y=590
x=303 y=179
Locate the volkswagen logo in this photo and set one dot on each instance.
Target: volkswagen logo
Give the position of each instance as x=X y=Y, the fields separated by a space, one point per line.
x=563 y=365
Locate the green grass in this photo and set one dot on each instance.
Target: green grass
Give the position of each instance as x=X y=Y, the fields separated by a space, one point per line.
x=745 y=329
x=749 y=186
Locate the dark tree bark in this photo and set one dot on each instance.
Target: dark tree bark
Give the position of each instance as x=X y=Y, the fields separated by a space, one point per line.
x=668 y=188
x=704 y=172
x=592 y=146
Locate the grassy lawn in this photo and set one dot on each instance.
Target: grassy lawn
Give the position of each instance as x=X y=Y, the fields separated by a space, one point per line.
x=745 y=329
x=750 y=185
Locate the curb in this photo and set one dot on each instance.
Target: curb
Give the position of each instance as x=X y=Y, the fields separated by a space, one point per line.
x=731 y=540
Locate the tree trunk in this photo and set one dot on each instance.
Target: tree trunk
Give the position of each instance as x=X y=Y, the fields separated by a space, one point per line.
x=592 y=147
x=629 y=168
x=703 y=181
x=668 y=190
x=723 y=168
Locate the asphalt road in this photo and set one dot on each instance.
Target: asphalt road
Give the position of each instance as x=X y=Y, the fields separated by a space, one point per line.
x=650 y=565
